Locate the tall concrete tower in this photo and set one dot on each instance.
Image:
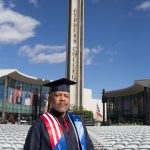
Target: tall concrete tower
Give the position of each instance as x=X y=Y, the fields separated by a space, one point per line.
x=75 y=49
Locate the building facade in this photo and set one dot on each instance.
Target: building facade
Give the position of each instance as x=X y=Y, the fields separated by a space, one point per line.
x=94 y=105
x=21 y=95
x=26 y=98
x=129 y=105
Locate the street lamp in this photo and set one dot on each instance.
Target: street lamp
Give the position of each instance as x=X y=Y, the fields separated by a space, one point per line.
x=104 y=100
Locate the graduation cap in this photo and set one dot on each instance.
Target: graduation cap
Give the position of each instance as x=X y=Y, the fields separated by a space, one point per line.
x=60 y=85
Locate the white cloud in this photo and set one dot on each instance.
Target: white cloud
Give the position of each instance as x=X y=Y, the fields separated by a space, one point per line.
x=54 y=53
x=88 y=61
x=15 y=27
x=44 y=53
x=144 y=6
x=50 y=58
x=86 y=52
x=97 y=49
x=111 y=54
x=89 y=54
x=34 y=2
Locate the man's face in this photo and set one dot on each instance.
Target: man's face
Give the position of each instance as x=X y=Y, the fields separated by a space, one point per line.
x=60 y=101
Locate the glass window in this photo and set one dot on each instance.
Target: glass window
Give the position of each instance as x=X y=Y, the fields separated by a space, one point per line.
x=18 y=92
x=44 y=99
x=119 y=104
x=148 y=103
x=11 y=90
x=35 y=100
x=26 y=95
x=135 y=106
x=115 y=107
x=127 y=105
x=35 y=92
x=140 y=105
x=2 y=88
x=110 y=107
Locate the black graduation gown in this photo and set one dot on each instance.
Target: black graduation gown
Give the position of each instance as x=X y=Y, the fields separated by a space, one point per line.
x=38 y=138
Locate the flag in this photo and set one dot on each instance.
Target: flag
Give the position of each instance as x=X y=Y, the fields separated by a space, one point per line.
x=98 y=113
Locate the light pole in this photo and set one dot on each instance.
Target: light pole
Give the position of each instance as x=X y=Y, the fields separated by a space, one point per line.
x=104 y=100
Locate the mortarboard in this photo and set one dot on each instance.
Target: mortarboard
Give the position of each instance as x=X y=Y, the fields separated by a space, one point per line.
x=60 y=85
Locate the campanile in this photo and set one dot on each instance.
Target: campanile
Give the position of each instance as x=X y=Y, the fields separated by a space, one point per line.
x=75 y=50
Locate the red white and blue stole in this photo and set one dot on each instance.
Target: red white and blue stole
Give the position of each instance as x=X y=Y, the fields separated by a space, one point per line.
x=55 y=131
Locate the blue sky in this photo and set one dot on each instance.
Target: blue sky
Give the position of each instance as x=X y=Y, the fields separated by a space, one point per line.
x=33 y=36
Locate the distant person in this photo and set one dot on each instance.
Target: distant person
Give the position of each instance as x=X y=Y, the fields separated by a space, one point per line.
x=10 y=119
x=58 y=129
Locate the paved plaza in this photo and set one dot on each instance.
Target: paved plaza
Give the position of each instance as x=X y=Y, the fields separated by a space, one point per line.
x=12 y=137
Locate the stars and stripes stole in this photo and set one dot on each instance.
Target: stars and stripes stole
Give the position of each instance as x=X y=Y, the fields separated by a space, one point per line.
x=55 y=132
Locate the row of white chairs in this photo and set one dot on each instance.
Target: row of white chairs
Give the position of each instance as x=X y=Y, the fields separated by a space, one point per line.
x=12 y=136
x=120 y=137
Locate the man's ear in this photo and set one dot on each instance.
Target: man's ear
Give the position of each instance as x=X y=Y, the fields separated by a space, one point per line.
x=49 y=103
x=49 y=98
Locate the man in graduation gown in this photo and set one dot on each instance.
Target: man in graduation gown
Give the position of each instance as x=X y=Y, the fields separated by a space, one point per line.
x=58 y=129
